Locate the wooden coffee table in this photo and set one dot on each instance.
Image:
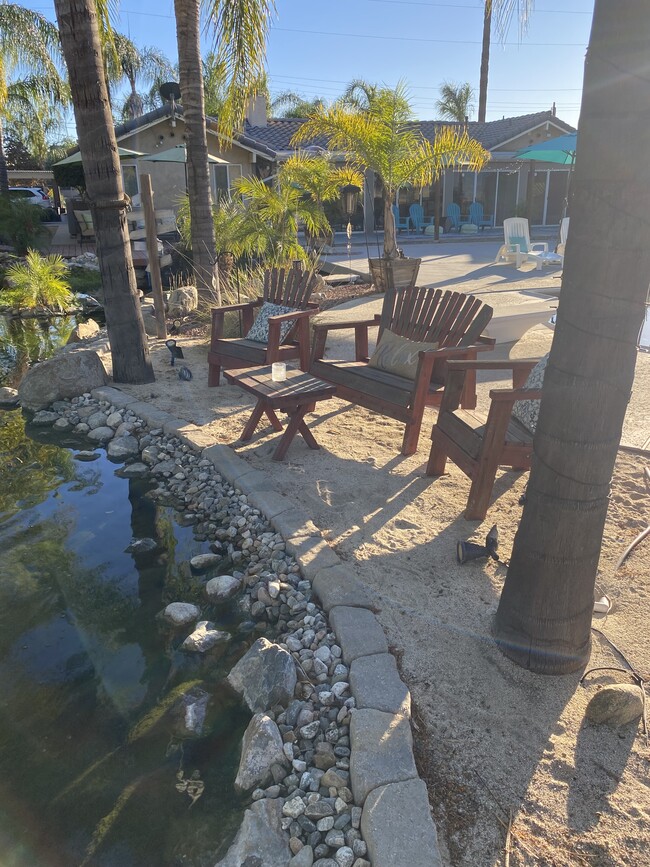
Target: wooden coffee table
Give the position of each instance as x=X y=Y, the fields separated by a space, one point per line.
x=297 y=396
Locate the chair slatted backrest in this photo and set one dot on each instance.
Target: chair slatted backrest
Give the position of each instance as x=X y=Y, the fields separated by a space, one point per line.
x=453 y=212
x=448 y=318
x=476 y=213
x=291 y=287
x=416 y=213
x=516 y=227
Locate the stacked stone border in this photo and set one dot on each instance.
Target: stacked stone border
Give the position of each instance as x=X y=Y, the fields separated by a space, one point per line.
x=396 y=821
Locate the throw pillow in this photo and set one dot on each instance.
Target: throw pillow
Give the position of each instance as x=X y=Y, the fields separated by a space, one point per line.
x=398 y=355
x=527 y=411
x=260 y=330
x=523 y=243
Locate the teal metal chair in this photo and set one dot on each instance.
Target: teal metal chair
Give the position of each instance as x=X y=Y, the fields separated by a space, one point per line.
x=453 y=213
x=401 y=222
x=477 y=216
x=416 y=214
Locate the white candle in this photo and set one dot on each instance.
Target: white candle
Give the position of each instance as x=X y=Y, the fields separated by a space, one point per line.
x=278 y=371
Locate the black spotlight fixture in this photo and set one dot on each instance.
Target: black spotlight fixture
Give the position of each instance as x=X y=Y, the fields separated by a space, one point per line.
x=176 y=351
x=466 y=551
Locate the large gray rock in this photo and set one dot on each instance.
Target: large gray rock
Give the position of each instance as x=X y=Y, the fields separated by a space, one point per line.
x=261 y=747
x=83 y=331
x=181 y=613
x=375 y=683
x=123 y=447
x=222 y=588
x=101 y=434
x=204 y=638
x=397 y=827
x=382 y=751
x=188 y=713
x=182 y=301
x=203 y=562
x=264 y=676
x=615 y=705
x=65 y=375
x=358 y=632
x=8 y=397
x=260 y=838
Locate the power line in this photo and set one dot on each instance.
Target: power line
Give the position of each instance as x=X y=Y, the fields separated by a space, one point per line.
x=478 y=8
x=432 y=87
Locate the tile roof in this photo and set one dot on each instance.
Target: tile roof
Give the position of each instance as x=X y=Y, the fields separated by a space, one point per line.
x=278 y=132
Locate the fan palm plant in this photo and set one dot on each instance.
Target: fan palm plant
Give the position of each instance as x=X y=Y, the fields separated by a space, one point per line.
x=39 y=281
x=138 y=66
x=383 y=138
x=456 y=101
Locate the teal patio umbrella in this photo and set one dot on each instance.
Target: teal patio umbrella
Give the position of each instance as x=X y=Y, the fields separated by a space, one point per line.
x=177 y=154
x=561 y=150
x=123 y=153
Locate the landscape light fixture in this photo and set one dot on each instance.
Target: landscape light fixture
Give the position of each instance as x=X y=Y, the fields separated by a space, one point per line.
x=349 y=199
x=176 y=351
x=466 y=551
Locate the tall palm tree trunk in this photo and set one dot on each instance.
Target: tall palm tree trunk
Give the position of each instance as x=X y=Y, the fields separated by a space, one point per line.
x=544 y=617
x=485 y=61
x=198 y=177
x=77 y=21
x=4 y=177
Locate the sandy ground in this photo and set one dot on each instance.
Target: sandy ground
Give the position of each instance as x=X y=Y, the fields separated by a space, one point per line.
x=492 y=740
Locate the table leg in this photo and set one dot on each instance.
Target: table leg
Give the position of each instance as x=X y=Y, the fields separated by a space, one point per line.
x=251 y=424
x=296 y=424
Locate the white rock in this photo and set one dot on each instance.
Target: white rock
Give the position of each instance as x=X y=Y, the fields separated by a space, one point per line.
x=203 y=562
x=222 y=587
x=204 y=638
x=181 y=613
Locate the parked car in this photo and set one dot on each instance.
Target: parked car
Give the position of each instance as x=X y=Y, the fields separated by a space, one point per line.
x=31 y=195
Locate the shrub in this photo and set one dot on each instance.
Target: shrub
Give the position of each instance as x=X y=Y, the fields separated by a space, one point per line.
x=21 y=224
x=38 y=282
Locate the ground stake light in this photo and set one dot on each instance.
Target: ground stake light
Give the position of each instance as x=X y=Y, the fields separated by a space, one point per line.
x=176 y=351
x=466 y=551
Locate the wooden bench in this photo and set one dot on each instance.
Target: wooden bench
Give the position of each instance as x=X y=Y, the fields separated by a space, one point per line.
x=477 y=444
x=453 y=320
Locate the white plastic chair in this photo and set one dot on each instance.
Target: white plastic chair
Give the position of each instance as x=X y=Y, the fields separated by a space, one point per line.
x=564 y=232
x=518 y=247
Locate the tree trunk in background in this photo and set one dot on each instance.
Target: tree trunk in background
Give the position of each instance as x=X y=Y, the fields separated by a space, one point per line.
x=4 y=177
x=544 y=617
x=390 y=231
x=77 y=21
x=485 y=61
x=198 y=175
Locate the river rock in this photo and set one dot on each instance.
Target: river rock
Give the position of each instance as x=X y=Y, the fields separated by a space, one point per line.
x=83 y=331
x=101 y=434
x=181 y=613
x=133 y=471
x=44 y=418
x=65 y=375
x=204 y=638
x=97 y=419
x=188 y=714
x=615 y=705
x=264 y=676
x=260 y=841
x=182 y=301
x=203 y=562
x=123 y=447
x=261 y=748
x=142 y=546
x=222 y=587
x=8 y=397
x=304 y=858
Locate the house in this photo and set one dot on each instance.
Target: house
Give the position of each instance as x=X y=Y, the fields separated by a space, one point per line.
x=502 y=186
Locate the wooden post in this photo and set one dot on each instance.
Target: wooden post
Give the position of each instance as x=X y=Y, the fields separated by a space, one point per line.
x=530 y=190
x=146 y=194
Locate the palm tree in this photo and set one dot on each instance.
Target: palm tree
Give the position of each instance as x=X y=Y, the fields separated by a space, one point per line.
x=544 y=615
x=505 y=10
x=80 y=38
x=358 y=94
x=240 y=28
x=295 y=105
x=138 y=66
x=384 y=140
x=456 y=101
x=34 y=113
x=29 y=51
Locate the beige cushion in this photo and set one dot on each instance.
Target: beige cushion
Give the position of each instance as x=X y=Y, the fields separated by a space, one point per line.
x=398 y=355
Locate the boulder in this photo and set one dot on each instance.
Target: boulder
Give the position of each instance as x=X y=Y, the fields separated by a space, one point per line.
x=8 y=397
x=261 y=748
x=182 y=301
x=83 y=331
x=615 y=705
x=260 y=841
x=203 y=562
x=204 y=638
x=188 y=714
x=101 y=434
x=264 y=676
x=65 y=375
x=222 y=588
x=123 y=447
x=181 y=613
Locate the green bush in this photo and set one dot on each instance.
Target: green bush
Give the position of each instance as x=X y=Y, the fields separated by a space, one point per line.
x=21 y=224
x=38 y=282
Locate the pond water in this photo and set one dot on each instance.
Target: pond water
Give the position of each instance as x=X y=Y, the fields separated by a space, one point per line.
x=88 y=758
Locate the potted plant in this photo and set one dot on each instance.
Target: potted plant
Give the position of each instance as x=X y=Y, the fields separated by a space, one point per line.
x=383 y=138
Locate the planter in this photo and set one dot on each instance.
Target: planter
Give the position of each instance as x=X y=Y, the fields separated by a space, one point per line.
x=393 y=273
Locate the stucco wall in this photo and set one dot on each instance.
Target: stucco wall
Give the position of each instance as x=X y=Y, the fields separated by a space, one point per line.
x=168 y=179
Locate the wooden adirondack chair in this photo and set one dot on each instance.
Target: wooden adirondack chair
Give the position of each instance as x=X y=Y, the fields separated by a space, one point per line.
x=451 y=319
x=416 y=213
x=288 y=288
x=476 y=444
x=400 y=222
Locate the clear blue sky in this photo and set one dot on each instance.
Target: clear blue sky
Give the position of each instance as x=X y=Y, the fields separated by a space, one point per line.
x=316 y=48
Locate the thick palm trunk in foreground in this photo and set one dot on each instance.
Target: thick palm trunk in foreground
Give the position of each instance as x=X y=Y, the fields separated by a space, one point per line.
x=198 y=177
x=544 y=616
x=81 y=47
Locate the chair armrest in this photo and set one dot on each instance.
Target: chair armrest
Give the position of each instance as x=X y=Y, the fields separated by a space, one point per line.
x=295 y=314
x=542 y=244
x=506 y=364
x=348 y=323
x=229 y=308
x=503 y=395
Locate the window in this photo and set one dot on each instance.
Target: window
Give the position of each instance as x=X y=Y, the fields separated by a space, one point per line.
x=223 y=179
x=130 y=180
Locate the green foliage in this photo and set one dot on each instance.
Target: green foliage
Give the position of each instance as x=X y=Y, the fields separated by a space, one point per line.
x=70 y=175
x=39 y=282
x=456 y=101
x=21 y=224
x=84 y=280
x=294 y=105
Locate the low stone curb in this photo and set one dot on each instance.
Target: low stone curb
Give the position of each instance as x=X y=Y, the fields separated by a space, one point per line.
x=396 y=819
